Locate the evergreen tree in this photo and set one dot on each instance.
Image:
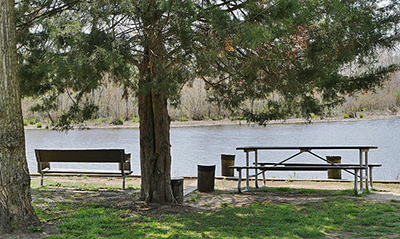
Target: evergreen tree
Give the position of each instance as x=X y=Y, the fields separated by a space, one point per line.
x=292 y=54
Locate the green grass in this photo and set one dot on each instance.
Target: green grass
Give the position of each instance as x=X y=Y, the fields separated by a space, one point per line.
x=32 y=121
x=183 y=119
x=349 y=217
x=134 y=119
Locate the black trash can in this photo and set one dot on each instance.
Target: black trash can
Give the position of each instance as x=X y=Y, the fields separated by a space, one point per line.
x=177 y=189
x=226 y=161
x=205 y=178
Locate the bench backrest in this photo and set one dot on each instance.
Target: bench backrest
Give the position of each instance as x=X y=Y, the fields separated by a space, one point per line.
x=81 y=155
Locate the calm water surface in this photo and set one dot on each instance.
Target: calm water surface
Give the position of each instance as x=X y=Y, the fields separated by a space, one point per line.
x=204 y=145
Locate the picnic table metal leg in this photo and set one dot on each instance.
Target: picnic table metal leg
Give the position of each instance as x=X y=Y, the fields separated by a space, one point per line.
x=361 y=171
x=255 y=170
x=356 y=182
x=247 y=170
x=370 y=178
x=240 y=180
x=366 y=170
x=356 y=177
x=41 y=179
x=264 y=179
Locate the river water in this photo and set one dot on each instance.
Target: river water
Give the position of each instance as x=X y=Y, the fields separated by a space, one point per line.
x=204 y=145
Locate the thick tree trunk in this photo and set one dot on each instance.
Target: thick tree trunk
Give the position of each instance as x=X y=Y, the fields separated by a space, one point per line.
x=155 y=147
x=16 y=212
x=155 y=153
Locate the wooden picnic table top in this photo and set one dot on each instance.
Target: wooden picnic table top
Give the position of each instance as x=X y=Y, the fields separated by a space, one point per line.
x=252 y=148
x=303 y=167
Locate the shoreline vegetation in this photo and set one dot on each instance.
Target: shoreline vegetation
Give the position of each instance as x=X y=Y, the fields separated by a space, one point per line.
x=106 y=124
x=198 y=107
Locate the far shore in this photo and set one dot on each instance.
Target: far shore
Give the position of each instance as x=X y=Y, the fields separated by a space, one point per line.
x=220 y=122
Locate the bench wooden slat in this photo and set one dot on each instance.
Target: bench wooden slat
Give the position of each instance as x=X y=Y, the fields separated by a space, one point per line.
x=82 y=171
x=80 y=155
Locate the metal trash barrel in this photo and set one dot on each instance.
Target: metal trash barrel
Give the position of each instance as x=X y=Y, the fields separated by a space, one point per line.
x=226 y=161
x=205 y=178
x=334 y=173
x=177 y=189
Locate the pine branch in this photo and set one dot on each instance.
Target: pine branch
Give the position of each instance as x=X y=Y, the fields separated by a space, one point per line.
x=49 y=13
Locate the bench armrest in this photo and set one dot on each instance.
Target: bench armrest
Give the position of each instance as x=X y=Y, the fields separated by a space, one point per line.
x=127 y=163
x=42 y=165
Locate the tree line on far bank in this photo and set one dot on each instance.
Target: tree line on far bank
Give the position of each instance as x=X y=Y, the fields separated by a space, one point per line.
x=199 y=104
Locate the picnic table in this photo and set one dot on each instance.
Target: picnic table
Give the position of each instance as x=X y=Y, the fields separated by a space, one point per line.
x=362 y=169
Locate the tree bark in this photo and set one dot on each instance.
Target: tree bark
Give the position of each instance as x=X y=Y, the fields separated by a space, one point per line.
x=155 y=148
x=16 y=212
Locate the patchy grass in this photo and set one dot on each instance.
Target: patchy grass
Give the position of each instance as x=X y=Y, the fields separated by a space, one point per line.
x=84 y=182
x=119 y=214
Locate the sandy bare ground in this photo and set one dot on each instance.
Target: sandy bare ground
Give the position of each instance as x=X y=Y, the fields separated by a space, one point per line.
x=226 y=188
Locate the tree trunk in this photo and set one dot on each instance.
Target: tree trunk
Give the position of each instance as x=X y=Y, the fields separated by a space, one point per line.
x=155 y=153
x=16 y=212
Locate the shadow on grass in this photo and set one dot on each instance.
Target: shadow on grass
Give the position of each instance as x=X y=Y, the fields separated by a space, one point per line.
x=311 y=192
x=339 y=216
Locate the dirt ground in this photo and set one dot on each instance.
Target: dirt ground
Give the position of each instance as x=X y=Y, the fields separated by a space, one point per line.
x=225 y=191
x=105 y=190
x=227 y=188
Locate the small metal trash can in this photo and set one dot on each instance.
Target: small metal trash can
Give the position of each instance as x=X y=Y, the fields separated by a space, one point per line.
x=205 y=178
x=334 y=173
x=226 y=161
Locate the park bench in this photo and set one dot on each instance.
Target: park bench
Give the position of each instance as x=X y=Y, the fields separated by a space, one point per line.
x=301 y=167
x=46 y=156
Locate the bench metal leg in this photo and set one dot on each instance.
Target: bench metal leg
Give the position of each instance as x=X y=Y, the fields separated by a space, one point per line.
x=123 y=182
x=41 y=180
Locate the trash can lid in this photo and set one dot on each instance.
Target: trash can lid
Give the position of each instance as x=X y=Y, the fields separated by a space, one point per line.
x=206 y=167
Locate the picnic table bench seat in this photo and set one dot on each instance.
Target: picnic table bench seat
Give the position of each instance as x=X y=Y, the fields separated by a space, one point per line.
x=370 y=166
x=46 y=156
x=302 y=167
